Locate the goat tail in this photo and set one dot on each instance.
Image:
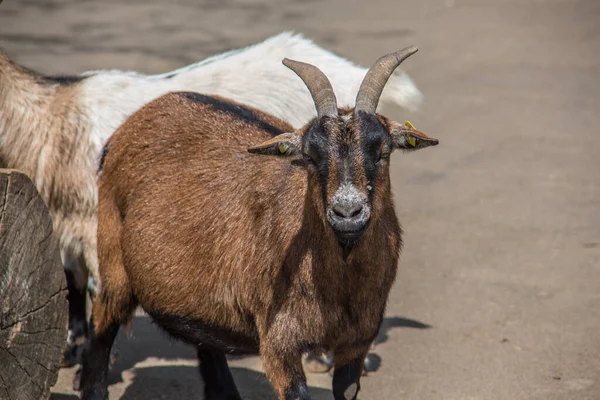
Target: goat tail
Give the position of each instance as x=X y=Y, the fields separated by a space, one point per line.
x=115 y=302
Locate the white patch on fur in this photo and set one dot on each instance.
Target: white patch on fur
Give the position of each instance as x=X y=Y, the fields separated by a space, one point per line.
x=350 y=391
x=348 y=194
x=70 y=337
x=92 y=286
x=401 y=141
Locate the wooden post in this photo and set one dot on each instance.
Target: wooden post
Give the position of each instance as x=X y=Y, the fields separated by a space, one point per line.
x=33 y=305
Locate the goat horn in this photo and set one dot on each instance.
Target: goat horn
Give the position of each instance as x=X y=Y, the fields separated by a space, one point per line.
x=318 y=85
x=374 y=81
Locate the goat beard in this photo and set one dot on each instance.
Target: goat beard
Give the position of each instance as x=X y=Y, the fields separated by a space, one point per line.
x=347 y=246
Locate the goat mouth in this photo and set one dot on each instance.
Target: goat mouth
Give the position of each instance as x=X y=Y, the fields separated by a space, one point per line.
x=348 y=240
x=350 y=236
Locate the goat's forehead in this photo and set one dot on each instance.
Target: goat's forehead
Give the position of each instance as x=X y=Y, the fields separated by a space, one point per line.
x=347 y=130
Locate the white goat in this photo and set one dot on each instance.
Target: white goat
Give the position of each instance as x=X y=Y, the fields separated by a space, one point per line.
x=54 y=128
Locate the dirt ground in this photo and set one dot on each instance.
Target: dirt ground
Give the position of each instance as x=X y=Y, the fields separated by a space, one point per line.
x=498 y=292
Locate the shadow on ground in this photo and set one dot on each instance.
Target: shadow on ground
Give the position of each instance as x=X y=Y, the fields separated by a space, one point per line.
x=183 y=382
x=61 y=396
x=145 y=343
x=147 y=340
x=397 y=322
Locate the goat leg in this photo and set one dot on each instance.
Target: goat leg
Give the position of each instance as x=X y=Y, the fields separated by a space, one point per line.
x=283 y=367
x=78 y=326
x=318 y=362
x=96 y=357
x=348 y=368
x=218 y=382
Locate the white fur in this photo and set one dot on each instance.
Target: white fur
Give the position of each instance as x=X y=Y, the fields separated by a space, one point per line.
x=347 y=195
x=350 y=391
x=254 y=76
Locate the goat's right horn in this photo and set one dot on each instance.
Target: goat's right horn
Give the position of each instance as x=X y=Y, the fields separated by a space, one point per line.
x=374 y=81
x=318 y=85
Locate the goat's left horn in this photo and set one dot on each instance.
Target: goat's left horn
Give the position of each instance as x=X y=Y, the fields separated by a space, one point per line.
x=374 y=81
x=318 y=85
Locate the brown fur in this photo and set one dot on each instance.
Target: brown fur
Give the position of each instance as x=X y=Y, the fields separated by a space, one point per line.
x=53 y=129
x=193 y=226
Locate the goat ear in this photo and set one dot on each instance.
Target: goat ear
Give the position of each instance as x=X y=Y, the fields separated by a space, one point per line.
x=406 y=137
x=286 y=144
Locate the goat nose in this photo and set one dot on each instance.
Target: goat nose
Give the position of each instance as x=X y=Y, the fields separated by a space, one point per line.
x=347 y=210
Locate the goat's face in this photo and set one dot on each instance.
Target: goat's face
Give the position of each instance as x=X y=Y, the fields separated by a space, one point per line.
x=347 y=162
x=346 y=152
x=338 y=183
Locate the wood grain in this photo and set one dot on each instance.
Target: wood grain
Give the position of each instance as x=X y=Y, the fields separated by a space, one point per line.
x=33 y=306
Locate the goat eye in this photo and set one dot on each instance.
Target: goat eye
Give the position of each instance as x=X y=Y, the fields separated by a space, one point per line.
x=309 y=159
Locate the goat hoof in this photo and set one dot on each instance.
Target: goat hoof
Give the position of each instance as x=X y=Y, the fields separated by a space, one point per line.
x=92 y=287
x=71 y=356
x=114 y=357
x=77 y=380
x=372 y=363
x=318 y=363
x=95 y=393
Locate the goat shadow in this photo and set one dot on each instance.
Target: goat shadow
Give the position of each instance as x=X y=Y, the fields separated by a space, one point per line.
x=62 y=396
x=149 y=341
x=178 y=382
x=397 y=322
x=183 y=382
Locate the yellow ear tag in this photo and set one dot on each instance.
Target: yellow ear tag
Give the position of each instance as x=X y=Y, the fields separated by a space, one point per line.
x=410 y=139
x=283 y=148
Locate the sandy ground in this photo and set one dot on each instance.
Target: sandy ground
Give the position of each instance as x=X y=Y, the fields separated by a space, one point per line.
x=498 y=293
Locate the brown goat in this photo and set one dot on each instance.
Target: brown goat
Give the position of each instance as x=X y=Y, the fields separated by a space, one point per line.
x=238 y=253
